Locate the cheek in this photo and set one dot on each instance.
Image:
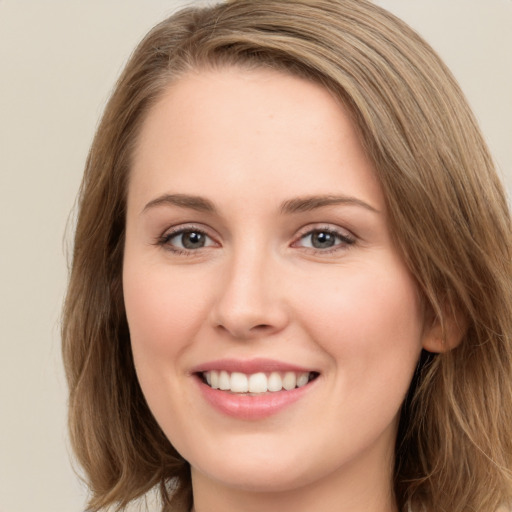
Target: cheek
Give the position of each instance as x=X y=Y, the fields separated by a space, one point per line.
x=368 y=320
x=370 y=325
x=164 y=313
x=163 y=310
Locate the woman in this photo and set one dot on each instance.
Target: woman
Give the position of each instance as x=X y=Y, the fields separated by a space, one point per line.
x=291 y=278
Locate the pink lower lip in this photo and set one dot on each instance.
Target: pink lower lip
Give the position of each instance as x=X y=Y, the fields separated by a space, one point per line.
x=248 y=407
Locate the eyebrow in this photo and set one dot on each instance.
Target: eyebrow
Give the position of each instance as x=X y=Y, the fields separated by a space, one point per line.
x=308 y=203
x=296 y=205
x=197 y=203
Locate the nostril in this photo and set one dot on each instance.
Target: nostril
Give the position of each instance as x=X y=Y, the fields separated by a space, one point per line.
x=261 y=327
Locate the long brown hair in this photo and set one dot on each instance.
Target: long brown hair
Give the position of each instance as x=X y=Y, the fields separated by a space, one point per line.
x=447 y=210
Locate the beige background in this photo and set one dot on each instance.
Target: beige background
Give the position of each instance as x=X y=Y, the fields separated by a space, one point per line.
x=58 y=61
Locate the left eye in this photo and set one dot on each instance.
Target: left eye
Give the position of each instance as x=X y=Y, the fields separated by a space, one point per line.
x=324 y=239
x=189 y=239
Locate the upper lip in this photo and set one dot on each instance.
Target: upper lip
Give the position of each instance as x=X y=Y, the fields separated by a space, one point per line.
x=249 y=366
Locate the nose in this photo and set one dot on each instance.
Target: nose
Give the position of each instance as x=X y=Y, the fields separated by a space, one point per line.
x=251 y=301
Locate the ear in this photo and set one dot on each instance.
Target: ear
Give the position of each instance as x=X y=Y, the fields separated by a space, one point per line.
x=443 y=334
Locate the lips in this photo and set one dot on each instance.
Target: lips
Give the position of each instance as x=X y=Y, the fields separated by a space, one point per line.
x=253 y=389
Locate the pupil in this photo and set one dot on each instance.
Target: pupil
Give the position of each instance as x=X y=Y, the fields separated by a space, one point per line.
x=322 y=240
x=193 y=240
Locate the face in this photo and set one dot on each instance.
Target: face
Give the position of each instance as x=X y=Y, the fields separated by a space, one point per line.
x=275 y=328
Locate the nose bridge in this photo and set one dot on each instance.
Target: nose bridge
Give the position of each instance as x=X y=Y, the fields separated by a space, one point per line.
x=250 y=302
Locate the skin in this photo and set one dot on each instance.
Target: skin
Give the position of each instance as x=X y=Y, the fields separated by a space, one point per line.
x=249 y=142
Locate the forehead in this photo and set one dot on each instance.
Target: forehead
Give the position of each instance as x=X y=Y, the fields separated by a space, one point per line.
x=230 y=128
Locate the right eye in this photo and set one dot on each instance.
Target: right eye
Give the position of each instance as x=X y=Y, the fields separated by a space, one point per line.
x=186 y=239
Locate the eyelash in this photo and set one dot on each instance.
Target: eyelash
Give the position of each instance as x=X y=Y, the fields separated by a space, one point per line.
x=163 y=241
x=344 y=240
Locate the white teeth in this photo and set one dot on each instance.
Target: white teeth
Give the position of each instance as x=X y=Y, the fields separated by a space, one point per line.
x=214 y=377
x=302 y=379
x=275 y=382
x=260 y=382
x=224 y=381
x=289 y=381
x=239 y=383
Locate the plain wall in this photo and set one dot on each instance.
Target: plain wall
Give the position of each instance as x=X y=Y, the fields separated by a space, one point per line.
x=58 y=62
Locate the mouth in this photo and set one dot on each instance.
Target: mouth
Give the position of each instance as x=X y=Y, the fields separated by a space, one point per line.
x=255 y=384
x=254 y=389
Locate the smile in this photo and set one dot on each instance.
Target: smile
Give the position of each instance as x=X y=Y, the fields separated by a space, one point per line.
x=256 y=383
x=253 y=389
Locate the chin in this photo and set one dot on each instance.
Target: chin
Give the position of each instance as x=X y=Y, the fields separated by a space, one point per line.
x=267 y=478
x=255 y=468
